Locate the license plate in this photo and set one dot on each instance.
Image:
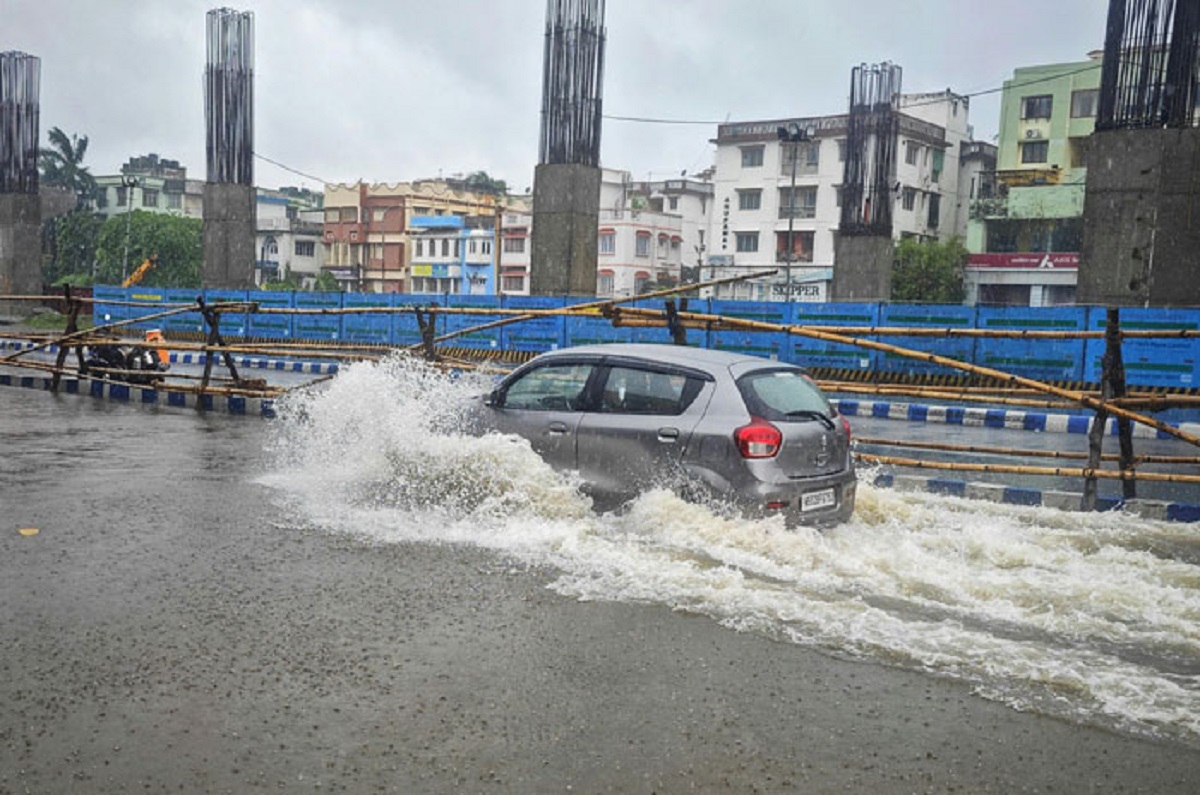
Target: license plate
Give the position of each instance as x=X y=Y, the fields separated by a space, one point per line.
x=817 y=499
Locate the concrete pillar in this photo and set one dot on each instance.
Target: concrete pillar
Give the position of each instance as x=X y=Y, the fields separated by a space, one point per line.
x=566 y=211
x=1141 y=222
x=20 y=251
x=229 y=243
x=862 y=268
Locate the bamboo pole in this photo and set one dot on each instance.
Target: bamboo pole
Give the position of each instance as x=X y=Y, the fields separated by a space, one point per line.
x=1012 y=451
x=595 y=306
x=1016 y=469
x=94 y=330
x=932 y=358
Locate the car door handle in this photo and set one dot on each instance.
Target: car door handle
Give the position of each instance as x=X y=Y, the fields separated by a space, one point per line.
x=557 y=427
x=668 y=434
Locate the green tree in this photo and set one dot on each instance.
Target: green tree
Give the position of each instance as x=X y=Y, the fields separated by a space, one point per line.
x=929 y=272
x=176 y=241
x=326 y=283
x=72 y=248
x=481 y=182
x=62 y=165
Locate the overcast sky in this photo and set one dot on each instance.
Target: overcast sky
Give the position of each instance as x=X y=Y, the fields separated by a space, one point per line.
x=392 y=90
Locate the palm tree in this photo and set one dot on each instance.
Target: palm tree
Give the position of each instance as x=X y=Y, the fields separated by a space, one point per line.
x=63 y=165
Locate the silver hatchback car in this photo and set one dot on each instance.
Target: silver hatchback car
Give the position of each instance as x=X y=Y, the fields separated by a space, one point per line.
x=750 y=432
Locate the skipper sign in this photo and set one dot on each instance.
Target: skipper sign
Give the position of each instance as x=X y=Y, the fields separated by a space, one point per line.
x=1045 y=261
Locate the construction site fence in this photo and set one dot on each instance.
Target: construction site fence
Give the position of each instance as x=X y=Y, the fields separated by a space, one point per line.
x=1167 y=363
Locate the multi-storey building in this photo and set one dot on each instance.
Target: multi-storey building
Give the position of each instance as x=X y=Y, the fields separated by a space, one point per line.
x=777 y=203
x=516 y=246
x=149 y=183
x=1026 y=237
x=451 y=255
x=288 y=231
x=369 y=232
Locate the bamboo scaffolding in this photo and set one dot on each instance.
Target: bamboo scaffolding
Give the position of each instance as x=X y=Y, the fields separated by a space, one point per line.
x=1013 y=451
x=597 y=307
x=932 y=358
x=1016 y=469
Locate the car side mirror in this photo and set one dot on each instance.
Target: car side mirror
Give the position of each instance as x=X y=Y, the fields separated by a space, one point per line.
x=494 y=399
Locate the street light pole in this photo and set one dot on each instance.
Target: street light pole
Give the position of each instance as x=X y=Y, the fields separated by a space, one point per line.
x=792 y=135
x=129 y=183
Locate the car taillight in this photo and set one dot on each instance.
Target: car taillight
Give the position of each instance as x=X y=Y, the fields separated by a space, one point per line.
x=759 y=439
x=846 y=426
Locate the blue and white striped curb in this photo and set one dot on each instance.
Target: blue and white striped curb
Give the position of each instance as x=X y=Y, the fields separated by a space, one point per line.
x=1015 y=495
x=993 y=418
x=126 y=393
x=282 y=365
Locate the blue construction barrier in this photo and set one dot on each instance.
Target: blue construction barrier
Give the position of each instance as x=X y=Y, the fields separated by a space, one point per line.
x=103 y=311
x=927 y=316
x=1149 y=362
x=538 y=334
x=1040 y=359
x=187 y=322
x=769 y=344
x=326 y=328
x=811 y=353
x=579 y=330
x=484 y=340
x=661 y=335
x=368 y=329
x=232 y=324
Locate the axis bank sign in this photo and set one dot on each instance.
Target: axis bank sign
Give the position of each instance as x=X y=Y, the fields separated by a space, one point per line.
x=1055 y=261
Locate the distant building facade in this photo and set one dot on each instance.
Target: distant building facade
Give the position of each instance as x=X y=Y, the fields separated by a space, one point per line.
x=1026 y=237
x=159 y=186
x=757 y=217
x=288 y=238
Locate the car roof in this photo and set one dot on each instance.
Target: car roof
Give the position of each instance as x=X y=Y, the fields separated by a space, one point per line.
x=680 y=355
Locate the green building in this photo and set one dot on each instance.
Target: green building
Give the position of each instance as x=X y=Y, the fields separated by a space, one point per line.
x=1026 y=236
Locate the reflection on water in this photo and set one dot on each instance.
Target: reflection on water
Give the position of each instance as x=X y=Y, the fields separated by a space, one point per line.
x=1091 y=617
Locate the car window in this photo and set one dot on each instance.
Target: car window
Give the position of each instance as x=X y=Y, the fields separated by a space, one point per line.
x=554 y=387
x=629 y=390
x=780 y=394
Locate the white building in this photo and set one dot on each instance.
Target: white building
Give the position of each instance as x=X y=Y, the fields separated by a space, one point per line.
x=757 y=217
x=287 y=239
x=515 y=248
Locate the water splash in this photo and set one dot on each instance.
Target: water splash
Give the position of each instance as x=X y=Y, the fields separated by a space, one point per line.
x=1089 y=617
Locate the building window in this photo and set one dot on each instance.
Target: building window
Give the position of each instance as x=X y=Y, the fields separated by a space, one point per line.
x=174 y=201
x=305 y=248
x=608 y=242
x=1038 y=107
x=512 y=284
x=121 y=193
x=514 y=245
x=640 y=280
x=805 y=202
x=749 y=199
x=841 y=145
x=101 y=198
x=485 y=247
x=472 y=246
x=752 y=156
x=445 y=247
x=909 y=202
x=419 y=250
x=802 y=246
x=1083 y=103
x=604 y=283
x=912 y=152
x=673 y=203
x=935 y=210
x=643 y=244
x=747 y=242
x=149 y=197
x=1035 y=152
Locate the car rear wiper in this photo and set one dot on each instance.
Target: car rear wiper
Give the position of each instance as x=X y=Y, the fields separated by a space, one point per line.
x=808 y=414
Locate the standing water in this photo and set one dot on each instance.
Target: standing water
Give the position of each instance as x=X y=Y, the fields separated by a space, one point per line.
x=1094 y=618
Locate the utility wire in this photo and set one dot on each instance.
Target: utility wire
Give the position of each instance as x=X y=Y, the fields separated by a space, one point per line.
x=1059 y=76
x=263 y=157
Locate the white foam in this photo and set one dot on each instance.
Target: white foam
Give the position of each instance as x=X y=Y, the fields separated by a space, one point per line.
x=1094 y=617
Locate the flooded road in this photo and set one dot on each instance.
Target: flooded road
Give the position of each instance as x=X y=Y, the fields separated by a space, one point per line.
x=356 y=597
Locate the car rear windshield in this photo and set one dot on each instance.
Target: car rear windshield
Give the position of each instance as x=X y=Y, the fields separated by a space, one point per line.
x=782 y=395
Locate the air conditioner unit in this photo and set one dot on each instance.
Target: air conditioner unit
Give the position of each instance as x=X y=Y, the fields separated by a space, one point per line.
x=1033 y=133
